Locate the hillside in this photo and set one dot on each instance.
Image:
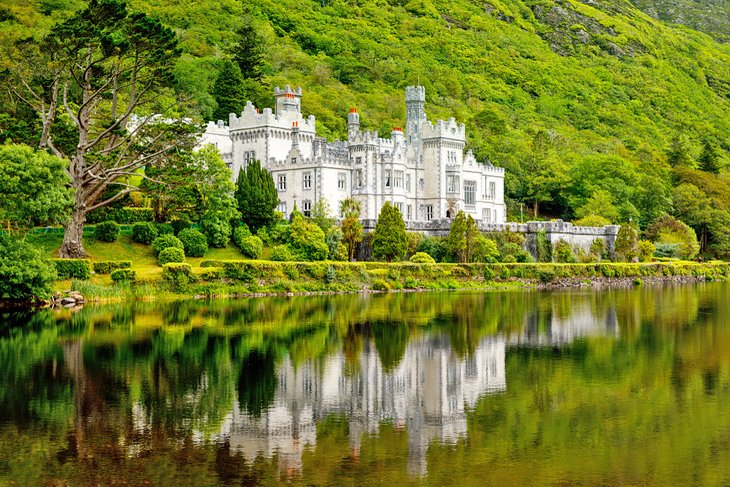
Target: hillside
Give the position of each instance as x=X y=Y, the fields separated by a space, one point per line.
x=709 y=16
x=571 y=97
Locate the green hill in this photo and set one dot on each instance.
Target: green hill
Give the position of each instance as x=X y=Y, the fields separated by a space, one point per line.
x=710 y=16
x=571 y=97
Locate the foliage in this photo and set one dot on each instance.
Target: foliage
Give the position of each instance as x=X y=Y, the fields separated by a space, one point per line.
x=463 y=236
x=281 y=253
x=563 y=252
x=626 y=247
x=485 y=250
x=228 y=91
x=109 y=266
x=34 y=187
x=24 y=272
x=351 y=226
x=248 y=51
x=436 y=247
x=321 y=215
x=72 y=268
x=307 y=240
x=646 y=251
x=107 y=231
x=164 y=229
x=422 y=258
x=256 y=196
x=217 y=207
x=178 y=275
x=194 y=242
x=123 y=275
x=337 y=250
x=164 y=242
x=389 y=241
x=709 y=160
x=591 y=221
x=668 y=230
x=123 y=215
x=240 y=233
x=144 y=232
x=178 y=225
x=170 y=255
x=252 y=246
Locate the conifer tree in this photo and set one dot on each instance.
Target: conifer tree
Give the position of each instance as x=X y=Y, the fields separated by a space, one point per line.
x=709 y=160
x=351 y=226
x=248 y=52
x=456 y=241
x=228 y=91
x=390 y=239
x=256 y=195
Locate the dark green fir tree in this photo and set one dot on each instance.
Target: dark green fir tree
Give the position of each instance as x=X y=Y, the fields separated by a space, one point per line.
x=228 y=91
x=256 y=196
x=709 y=160
x=389 y=241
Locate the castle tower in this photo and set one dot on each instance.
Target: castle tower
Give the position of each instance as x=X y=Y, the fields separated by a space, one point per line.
x=415 y=112
x=353 y=123
x=288 y=100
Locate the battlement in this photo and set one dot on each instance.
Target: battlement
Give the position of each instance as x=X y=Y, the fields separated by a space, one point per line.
x=287 y=90
x=415 y=93
x=446 y=129
x=252 y=118
x=217 y=128
x=372 y=138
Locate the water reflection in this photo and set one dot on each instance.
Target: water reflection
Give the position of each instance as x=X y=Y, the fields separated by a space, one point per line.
x=322 y=388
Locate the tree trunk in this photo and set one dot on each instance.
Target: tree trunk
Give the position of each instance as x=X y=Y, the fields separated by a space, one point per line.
x=535 y=209
x=73 y=246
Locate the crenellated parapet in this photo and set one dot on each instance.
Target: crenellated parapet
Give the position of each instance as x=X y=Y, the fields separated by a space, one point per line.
x=251 y=117
x=444 y=129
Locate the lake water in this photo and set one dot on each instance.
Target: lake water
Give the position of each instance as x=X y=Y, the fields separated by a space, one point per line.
x=619 y=387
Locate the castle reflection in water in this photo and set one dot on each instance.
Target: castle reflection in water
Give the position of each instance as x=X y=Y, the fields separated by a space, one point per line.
x=427 y=393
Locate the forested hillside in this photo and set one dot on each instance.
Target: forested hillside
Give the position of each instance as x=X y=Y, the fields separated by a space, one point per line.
x=594 y=107
x=710 y=16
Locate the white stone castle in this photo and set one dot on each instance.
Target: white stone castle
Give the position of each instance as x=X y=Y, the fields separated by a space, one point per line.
x=424 y=172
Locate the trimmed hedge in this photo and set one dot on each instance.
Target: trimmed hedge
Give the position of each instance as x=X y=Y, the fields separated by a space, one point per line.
x=165 y=242
x=252 y=247
x=194 y=242
x=107 y=231
x=144 y=233
x=124 y=275
x=178 y=275
x=171 y=255
x=72 y=268
x=109 y=266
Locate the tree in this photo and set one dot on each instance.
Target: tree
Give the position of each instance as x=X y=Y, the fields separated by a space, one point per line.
x=543 y=171
x=678 y=153
x=34 y=187
x=457 y=237
x=668 y=230
x=248 y=51
x=600 y=204
x=25 y=274
x=103 y=67
x=256 y=196
x=307 y=239
x=709 y=160
x=390 y=241
x=217 y=200
x=228 y=91
x=626 y=247
x=320 y=215
x=693 y=207
x=351 y=226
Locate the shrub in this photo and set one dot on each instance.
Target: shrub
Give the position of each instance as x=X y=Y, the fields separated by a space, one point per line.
x=488 y=274
x=144 y=233
x=217 y=231
x=109 y=266
x=307 y=240
x=123 y=275
x=171 y=255
x=668 y=230
x=330 y=274
x=646 y=251
x=164 y=229
x=177 y=275
x=252 y=247
x=592 y=221
x=240 y=233
x=72 y=268
x=179 y=225
x=24 y=273
x=422 y=258
x=194 y=242
x=165 y=242
x=509 y=259
x=668 y=250
x=380 y=285
x=281 y=253
x=436 y=247
x=125 y=215
x=543 y=247
x=563 y=252
x=485 y=250
x=107 y=231
x=263 y=234
x=627 y=242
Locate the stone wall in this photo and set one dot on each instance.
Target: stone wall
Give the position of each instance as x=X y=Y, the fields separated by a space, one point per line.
x=580 y=238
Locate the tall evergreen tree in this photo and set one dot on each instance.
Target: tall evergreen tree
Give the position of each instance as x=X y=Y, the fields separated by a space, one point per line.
x=256 y=195
x=390 y=240
x=709 y=160
x=678 y=154
x=228 y=91
x=351 y=226
x=248 y=52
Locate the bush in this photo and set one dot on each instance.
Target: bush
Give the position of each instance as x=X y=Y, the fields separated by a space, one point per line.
x=179 y=225
x=107 y=231
x=240 y=233
x=171 y=255
x=485 y=250
x=123 y=275
x=667 y=250
x=164 y=229
x=380 y=285
x=109 y=266
x=281 y=253
x=422 y=258
x=488 y=274
x=72 y=268
x=217 y=231
x=126 y=215
x=165 y=242
x=144 y=233
x=646 y=251
x=252 y=247
x=668 y=230
x=436 y=247
x=563 y=252
x=194 y=242
x=178 y=276
x=592 y=221
x=24 y=273
x=307 y=240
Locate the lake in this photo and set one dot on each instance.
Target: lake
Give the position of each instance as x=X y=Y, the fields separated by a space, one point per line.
x=615 y=387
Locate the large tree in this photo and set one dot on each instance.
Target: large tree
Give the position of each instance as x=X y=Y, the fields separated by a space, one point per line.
x=351 y=226
x=106 y=70
x=228 y=91
x=256 y=196
x=390 y=240
x=248 y=51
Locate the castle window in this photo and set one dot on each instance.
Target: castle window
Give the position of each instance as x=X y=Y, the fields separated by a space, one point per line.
x=470 y=192
x=387 y=178
x=358 y=178
x=293 y=160
x=341 y=181
x=249 y=156
x=400 y=207
x=409 y=212
x=429 y=212
x=282 y=182
x=492 y=191
x=408 y=182
x=398 y=179
x=358 y=160
x=281 y=208
x=420 y=184
x=452 y=183
x=307 y=208
x=487 y=215
x=307 y=181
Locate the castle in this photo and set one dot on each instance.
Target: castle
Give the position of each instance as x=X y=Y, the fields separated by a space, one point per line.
x=423 y=171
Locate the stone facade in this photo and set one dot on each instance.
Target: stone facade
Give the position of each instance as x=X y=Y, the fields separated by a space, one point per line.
x=424 y=171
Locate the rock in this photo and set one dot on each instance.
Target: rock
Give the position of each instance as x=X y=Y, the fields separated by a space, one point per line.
x=76 y=296
x=68 y=300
